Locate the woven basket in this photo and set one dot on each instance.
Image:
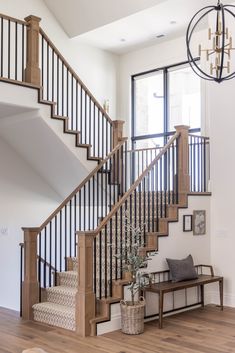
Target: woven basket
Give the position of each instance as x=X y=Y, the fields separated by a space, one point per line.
x=132 y=317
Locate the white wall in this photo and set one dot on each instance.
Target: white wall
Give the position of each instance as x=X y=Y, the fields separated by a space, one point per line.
x=26 y=201
x=96 y=68
x=222 y=122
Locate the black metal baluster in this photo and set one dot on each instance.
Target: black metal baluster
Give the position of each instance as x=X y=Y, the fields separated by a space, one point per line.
x=70 y=227
x=111 y=256
x=67 y=97
x=2 y=46
x=9 y=49
x=152 y=191
x=173 y=173
x=65 y=237
x=81 y=117
x=93 y=130
x=89 y=205
x=90 y=141
x=84 y=206
x=148 y=198
x=42 y=69
x=45 y=257
x=50 y=257
x=204 y=167
x=93 y=206
x=53 y=76
x=161 y=190
x=76 y=84
x=100 y=265
x=198 y=165
x=75 y=225
x=106 y=139
x=62 y=89
x=99 y=138
x=85 y=117
x=60 y=240
x=58 y=86
x=194 y=165
x=48 y=68
x=16 y=50
x=102 y=136
x=121 y=239
x=95 y=266
x=40 y=264
x=72 y=97
x=56 y=250
x=80 y=209
x=23 y=50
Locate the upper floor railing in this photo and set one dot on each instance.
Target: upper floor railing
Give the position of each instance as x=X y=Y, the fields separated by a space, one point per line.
x=27 y=55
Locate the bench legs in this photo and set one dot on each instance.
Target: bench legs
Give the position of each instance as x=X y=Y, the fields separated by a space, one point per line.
x=202 y=295
x=221 y=293
x=161 y=303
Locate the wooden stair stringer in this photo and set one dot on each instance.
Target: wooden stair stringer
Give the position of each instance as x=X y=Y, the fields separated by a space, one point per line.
x=66 y=129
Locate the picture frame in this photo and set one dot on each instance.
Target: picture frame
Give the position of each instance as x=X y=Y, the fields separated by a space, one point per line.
x=199 y=222
x=187 y=223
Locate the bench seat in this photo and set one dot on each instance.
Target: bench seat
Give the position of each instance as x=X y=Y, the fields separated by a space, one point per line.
x=168 y=286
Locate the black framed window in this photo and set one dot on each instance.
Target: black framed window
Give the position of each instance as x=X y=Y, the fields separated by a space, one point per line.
x=161 y=99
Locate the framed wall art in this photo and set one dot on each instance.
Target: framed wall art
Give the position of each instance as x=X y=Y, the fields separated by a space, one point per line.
x=199 y=222
x=187 y=223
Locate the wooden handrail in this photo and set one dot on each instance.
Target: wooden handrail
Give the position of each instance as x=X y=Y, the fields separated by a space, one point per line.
x=12 y=19
x=134 y=186
x=74 y=74
x=199 y=136
x=99 y=166
x=144 y=149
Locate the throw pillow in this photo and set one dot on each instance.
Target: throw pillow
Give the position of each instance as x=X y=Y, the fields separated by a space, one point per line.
x=181 y=270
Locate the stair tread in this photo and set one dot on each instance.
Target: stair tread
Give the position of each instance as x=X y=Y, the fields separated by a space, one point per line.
x=71 y=273
x=55 y=308
x=62 y=290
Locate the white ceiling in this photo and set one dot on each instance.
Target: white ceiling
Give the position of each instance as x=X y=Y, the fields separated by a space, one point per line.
x=80 y=16
x=137 y=26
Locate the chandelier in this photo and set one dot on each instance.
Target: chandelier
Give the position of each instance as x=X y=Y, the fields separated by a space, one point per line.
x=216 y=59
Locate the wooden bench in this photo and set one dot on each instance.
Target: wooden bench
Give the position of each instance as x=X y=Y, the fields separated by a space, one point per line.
x=168 y=286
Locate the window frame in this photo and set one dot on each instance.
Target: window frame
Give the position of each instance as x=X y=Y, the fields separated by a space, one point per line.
x=165 y=70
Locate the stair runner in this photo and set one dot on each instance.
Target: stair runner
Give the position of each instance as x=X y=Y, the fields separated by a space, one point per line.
x=59 y=307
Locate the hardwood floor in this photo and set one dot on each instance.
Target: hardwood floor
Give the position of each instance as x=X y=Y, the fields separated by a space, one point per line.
x=205 y=330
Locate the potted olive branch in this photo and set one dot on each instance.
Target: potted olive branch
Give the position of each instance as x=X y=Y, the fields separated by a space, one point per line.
x=134 y=261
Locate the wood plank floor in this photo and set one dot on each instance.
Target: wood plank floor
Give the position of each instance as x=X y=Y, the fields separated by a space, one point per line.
x=205 y=330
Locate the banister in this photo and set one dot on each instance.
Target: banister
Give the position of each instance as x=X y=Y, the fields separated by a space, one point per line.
x=133 y=187
x=76 y=76
x=199 y=136
x=13 y=19
x=143 y=149
x=99 y=167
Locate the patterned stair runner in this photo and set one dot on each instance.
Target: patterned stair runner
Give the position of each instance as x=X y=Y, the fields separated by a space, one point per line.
x=59 y=307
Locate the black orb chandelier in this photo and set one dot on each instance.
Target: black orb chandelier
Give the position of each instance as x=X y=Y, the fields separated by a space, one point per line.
x=218 y=54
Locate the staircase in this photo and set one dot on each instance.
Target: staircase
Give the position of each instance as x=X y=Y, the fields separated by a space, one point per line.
x=69 y=274
x=58 y=307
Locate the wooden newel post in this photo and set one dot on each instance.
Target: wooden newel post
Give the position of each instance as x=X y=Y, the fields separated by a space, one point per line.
x=30 y=288
x=85 y=299
x=117 y=132
x=183 y=159
x=32 y=71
